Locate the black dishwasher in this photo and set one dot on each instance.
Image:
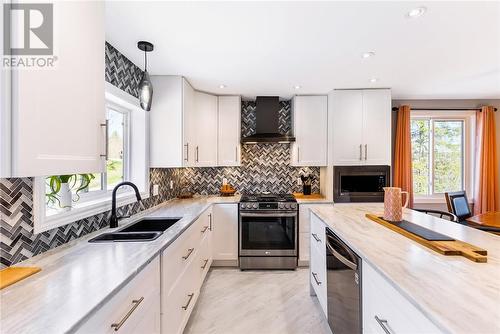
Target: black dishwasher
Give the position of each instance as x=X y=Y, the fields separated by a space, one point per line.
x=343 y=286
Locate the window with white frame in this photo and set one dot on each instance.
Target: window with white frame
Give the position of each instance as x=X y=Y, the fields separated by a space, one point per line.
x=442 y=147
x=117 y=162
x=127 y=160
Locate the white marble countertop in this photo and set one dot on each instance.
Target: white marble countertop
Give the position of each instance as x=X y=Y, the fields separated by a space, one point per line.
x=79 y=277
x=458 y=295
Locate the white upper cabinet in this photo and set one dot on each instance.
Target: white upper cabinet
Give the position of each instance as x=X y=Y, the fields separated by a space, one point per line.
x=377 y=126
x=57 y=112
x=203 y=126
x=165 y=118
x=361 y=127
x=310 y=126
x=228 y=147
x=173 y=122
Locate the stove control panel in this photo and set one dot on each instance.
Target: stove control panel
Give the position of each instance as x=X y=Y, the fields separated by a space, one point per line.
x=268 y=206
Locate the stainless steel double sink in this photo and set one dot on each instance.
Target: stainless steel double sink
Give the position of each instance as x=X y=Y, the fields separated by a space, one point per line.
x=146 y=229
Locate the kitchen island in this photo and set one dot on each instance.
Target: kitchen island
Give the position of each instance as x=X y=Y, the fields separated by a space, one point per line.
x=454 y=294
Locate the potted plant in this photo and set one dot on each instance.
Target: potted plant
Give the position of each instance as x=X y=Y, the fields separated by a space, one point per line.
x=61 y=188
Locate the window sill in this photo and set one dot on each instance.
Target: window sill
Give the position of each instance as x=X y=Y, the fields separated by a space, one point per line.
x=86 y=209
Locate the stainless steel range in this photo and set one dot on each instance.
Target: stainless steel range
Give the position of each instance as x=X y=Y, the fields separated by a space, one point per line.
x=268 y=231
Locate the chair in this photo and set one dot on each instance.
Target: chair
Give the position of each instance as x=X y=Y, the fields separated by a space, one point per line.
x=441 y=214
x=458 y=205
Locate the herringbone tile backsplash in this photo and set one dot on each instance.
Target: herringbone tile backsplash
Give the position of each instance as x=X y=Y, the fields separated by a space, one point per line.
x=264 y=167
x=18 y=242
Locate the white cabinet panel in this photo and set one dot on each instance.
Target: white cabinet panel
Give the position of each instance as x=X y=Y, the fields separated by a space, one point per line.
x=347 y=127
x=377 y=126
x=304 y=248
x=225 y=232
x=397 y=314
x=189 y=124
x=204 y=126
x=228 y=151
x=361 y=127
x=57 y=111
x=165 y=118
x=5 y=114
x=310 y=122
x=140 y=297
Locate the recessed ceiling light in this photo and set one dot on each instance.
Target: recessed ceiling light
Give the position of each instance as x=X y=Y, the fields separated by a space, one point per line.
x=373 y=80
x=297 y=87
x=222 y=86
x=416 y=12
x=368 y=54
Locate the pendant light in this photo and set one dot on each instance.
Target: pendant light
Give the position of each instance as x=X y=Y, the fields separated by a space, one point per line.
x=145 y=87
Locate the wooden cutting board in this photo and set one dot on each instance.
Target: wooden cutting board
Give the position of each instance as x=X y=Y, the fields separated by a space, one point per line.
x=11 y=275
x=455 y=247
x=312 y=196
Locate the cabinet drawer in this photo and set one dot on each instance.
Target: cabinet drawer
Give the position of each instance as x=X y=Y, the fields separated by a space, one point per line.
x=396 y=313
x=177 y=306
x=318 y=277
x=135 y=309
x=179 y=255
x=318 y=237
x=204 y=258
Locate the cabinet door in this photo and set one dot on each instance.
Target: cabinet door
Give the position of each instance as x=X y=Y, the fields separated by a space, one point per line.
x=5 y=113
x=310 y=119
x=205 y=150
x=58 y=112
x=225 y=232
x=228 y=151
x=165 y=119
x=189 y=123
x=377 y=126
x=347 y=127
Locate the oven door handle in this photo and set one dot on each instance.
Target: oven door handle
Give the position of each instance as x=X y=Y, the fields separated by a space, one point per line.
x=342 y=259
x=268 y=214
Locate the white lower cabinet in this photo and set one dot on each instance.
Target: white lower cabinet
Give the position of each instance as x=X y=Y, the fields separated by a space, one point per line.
x=317 y=268
x=185 y=264
x=225 y=233
x=385 y=310
x=134 y=309
x=304 y=232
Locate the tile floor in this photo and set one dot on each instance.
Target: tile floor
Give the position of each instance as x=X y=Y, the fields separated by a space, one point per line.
x=256 y=302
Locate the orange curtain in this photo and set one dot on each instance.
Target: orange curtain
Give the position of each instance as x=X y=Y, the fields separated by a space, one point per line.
x=402 y=153
x=486 y=192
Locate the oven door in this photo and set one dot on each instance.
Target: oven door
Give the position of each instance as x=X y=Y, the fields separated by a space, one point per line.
x=268 y=234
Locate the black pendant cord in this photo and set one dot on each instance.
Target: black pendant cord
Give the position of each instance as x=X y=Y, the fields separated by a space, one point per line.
x=145 y=61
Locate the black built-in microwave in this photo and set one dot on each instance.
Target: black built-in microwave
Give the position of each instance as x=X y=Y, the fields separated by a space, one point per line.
x=360 y=183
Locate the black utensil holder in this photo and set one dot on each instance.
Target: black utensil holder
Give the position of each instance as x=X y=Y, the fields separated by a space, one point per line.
x=306 y=189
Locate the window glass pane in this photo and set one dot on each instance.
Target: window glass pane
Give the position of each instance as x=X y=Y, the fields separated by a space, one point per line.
x=420 y=143
x=114 y=165
x=96 y=183
x=448 y=156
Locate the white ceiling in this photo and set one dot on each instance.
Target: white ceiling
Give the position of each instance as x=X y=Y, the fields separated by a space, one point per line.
x=266 y=48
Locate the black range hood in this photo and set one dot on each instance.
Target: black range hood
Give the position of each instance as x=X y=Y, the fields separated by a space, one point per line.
x=267 y=124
